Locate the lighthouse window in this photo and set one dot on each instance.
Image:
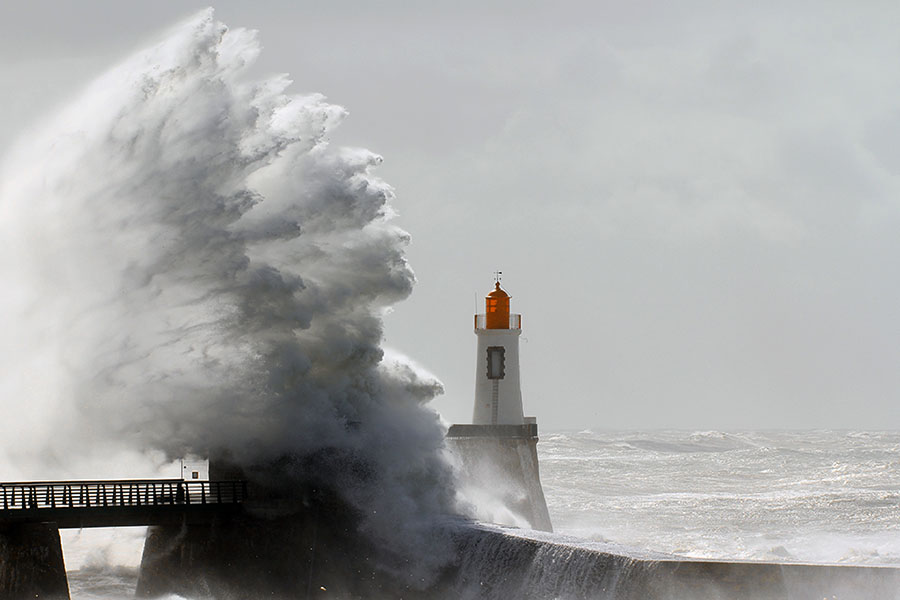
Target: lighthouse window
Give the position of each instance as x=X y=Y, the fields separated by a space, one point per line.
x=496 y=362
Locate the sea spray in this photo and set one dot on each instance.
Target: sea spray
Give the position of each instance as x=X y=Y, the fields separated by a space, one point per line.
x=190 y=267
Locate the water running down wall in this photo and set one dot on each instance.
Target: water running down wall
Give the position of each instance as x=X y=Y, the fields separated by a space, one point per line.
x=495 y=564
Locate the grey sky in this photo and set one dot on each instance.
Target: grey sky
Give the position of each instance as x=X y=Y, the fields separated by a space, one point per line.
x=696 y=209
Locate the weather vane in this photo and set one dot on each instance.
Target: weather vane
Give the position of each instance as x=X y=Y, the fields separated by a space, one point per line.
x=497 y=275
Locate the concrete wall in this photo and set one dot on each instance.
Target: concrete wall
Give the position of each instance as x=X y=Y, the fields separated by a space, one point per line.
x=31 y=563
x=496 y=565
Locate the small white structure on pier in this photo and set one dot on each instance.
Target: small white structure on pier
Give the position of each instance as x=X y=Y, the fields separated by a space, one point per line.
x=194 y=469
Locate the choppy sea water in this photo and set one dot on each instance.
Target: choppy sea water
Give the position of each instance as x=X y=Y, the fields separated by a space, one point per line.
x=811 y=496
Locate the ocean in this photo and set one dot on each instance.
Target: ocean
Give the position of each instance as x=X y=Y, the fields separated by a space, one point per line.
x=786 y=496
x=810 y=496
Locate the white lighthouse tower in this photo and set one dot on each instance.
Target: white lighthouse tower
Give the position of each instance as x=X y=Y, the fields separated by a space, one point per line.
x=498 y=396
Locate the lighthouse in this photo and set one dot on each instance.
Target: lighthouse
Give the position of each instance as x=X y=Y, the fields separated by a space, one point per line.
x=498 y=395
x=496 y=454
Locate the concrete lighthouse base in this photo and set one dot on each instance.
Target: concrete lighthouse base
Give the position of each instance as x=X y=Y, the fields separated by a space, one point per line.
x=501 y=461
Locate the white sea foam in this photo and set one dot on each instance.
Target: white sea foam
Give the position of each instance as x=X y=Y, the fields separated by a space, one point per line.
x=816 y=496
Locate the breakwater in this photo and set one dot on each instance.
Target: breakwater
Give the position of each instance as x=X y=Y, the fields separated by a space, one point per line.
x=320 y=556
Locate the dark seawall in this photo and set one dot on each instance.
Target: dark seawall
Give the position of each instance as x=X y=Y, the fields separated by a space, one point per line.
x=495 y=564
x=317 y=554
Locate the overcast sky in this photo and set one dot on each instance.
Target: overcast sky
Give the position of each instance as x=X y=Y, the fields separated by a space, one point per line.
x=696 y=208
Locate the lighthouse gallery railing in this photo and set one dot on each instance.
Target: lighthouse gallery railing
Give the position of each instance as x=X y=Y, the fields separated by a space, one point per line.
x=515 y=321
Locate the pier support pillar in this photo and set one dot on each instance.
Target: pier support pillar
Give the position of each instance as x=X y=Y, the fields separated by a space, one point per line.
x=313 y=549
x=31 y=563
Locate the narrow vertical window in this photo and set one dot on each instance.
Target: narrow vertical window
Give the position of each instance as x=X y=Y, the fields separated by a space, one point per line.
x=496 y=359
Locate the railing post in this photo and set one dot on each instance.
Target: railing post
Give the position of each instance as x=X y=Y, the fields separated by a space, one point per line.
x=218 y=492
x=5 y=501
x=202 y=493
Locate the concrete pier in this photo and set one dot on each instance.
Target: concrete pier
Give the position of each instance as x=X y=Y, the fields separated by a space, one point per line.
x=31 y=563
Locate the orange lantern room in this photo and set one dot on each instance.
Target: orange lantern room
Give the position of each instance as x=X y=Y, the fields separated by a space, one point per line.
x=496 y=309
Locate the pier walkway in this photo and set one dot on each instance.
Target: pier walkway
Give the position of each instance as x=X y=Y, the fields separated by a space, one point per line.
x=118 y=503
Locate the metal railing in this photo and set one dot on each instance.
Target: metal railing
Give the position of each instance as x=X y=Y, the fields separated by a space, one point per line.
x=515 y=321
x=30 y=495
